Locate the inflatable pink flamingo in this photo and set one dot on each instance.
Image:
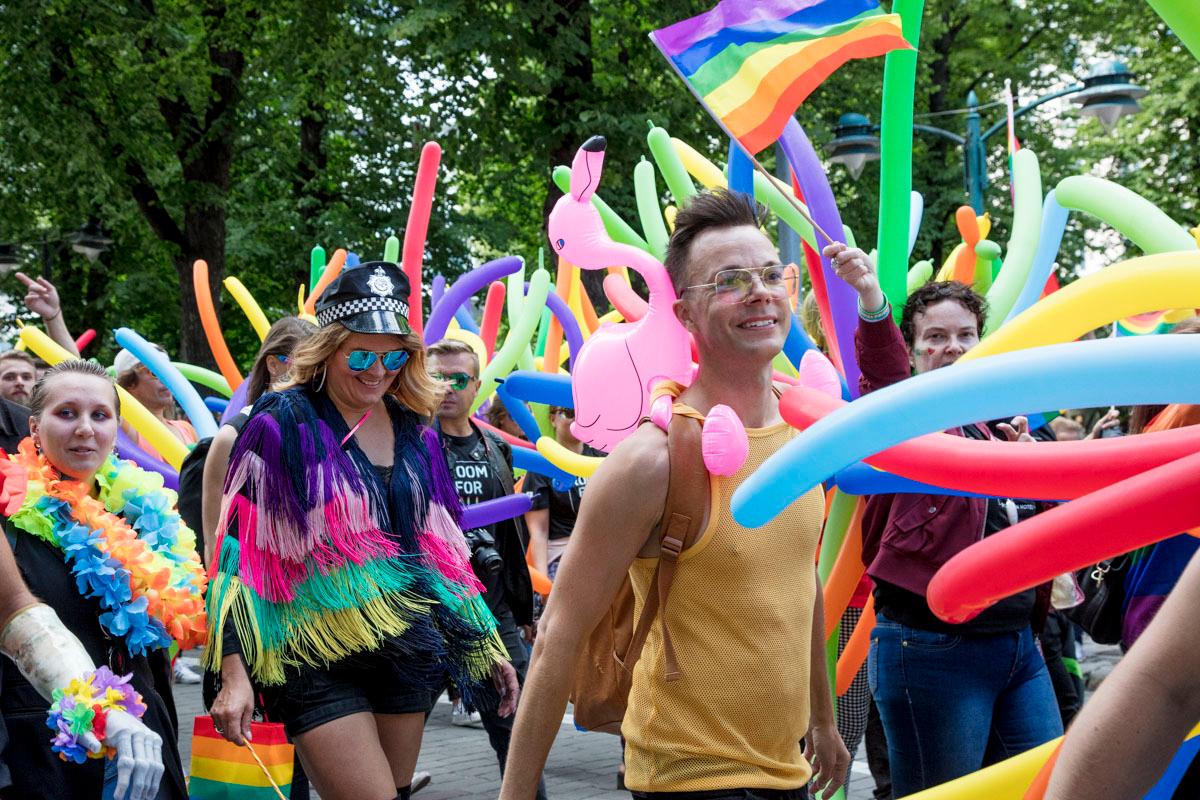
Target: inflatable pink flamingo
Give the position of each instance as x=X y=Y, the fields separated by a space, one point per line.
x=615 y=371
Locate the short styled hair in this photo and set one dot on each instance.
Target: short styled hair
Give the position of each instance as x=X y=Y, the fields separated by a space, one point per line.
x=448 y=348
x=935 y=292
x=18 y=355
x=709 y=210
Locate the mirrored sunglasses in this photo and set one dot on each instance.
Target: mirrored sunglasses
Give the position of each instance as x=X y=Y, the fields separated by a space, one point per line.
x=457 y=380
x=363 y=360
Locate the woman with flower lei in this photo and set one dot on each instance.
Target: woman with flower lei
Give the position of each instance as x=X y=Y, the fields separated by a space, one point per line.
x=99 y=541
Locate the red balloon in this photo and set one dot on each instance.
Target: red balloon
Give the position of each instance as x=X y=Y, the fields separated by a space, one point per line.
x=1147 y=508
x=1058 y=470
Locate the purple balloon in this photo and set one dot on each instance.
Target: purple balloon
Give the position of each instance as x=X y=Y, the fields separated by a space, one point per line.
x=570 y=326
x=437 y=290
x=236 y=403
x=126 y=448
x=843 y=301
x=498 y=510
x=460 y=292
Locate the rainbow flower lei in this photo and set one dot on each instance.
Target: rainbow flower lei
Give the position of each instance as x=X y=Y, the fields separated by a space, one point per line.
x=127 y=546
x=82 y=708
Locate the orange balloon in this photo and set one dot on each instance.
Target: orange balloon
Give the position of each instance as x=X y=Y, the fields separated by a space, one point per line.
x=847 y=571
x=541 y=584
x=332 y=270
x=212 y=328
x=968 y=227
x=1037 y=789
x=854 y=655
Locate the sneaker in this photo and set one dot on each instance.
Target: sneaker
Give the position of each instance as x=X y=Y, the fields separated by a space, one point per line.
x=184 y=673
x=419 y=781
x=459 y=715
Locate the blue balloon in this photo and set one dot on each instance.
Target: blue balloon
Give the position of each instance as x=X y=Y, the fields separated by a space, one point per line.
x=740 y=170
x=533 y=461
x=1088 y=374
x=352 y=260
x=157 y=362
x=217 y=405
x=861 y=478
x=519 y=412
x=1054 y=223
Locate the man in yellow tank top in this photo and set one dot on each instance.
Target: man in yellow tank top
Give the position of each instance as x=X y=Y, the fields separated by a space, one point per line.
x=743 y=602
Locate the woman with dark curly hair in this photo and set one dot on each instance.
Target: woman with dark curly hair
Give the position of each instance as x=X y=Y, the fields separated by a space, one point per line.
x=952 y=698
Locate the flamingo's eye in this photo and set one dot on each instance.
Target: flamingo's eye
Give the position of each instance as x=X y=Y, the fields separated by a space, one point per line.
x=560 y=243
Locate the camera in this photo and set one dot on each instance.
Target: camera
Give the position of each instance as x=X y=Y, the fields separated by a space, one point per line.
x=484 y=557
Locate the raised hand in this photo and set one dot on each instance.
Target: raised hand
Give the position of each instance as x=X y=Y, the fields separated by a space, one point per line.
x=855 y=268
x=42 y=297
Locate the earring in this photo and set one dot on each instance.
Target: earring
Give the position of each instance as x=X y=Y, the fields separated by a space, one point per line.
x=321 y=383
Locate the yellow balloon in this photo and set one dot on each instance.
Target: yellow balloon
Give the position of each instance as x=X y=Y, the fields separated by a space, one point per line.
x=612 y=316
x=1137 y=286
x=567 y=460
x=472 y=339
x=250 y=307
x=1007 y=780
x=700 y=167
x=158 y=435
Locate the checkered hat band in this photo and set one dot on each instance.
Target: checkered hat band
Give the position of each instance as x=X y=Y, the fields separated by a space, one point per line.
x=361 y=305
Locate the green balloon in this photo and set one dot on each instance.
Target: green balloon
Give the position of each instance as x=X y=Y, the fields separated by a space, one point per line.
x=1135 y=217
x=918 y=276
x=895 y=162
x=770 y=196
x=618 y=229
x=1182 y=17
x=987 y=253
x=204 y=377
x=516 y=344
x=678 y=181
x=391 y=250
x=316 y=266
x=649 y=212
x=1023 y=241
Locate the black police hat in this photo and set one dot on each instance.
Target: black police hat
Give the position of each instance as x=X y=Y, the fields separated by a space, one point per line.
x=368 y=298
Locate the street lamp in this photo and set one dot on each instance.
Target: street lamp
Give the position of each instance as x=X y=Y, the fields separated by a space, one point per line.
x=855 y=145
x=1107 y=93
x=89 y=241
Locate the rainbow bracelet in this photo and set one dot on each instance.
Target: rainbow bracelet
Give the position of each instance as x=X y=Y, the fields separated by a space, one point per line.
x=82 y=708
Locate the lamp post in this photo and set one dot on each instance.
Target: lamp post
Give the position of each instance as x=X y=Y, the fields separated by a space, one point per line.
x=1107 y=93
x=89 y=241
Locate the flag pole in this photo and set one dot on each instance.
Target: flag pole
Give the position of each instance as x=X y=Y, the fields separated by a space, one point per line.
x=788 y=194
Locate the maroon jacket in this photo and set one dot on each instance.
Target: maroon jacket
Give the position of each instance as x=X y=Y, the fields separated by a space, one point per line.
x=907 y=537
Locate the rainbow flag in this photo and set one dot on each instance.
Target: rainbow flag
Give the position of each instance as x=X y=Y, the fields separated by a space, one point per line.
x=752 y=64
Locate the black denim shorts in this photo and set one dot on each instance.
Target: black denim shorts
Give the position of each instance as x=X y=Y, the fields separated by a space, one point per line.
x=311 y=697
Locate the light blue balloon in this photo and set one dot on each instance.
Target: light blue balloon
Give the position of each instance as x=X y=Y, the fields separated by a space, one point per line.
x=1054 y=223
x=162 y=368
x=1089 y=374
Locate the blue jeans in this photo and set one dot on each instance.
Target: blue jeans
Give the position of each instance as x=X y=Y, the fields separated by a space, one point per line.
x=952 y=704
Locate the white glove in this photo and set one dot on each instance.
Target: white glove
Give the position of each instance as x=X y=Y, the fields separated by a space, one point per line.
x=139 y=755
x=50 y=657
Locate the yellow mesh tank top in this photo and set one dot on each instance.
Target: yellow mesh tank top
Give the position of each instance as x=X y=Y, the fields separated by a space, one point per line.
x=740 y=613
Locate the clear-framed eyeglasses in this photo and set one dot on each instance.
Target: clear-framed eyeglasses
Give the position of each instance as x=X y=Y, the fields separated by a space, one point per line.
x=734 y=284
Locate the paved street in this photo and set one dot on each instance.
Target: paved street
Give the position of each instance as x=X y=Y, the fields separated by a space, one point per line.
x=582 y=766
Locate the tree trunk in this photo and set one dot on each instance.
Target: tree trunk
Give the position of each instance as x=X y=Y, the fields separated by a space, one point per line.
x=204 y=229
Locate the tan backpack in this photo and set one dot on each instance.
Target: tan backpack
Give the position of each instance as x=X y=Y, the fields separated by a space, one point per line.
x=604 y=673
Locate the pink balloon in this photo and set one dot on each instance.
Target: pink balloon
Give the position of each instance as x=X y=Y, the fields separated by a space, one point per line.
x=723 y=442
x=817 y=372
x=616 y=369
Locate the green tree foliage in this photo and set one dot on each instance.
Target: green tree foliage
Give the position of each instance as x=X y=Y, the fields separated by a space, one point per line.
x=244 y=133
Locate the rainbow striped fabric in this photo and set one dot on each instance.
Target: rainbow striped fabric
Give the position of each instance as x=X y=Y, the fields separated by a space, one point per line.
x=752 y=63
x=222 y=770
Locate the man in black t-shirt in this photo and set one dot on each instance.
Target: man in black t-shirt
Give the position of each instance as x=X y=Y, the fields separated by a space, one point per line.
x=553 y=515
x=481 y=465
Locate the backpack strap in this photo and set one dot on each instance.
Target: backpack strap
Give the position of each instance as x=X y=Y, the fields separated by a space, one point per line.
x=683 y=521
